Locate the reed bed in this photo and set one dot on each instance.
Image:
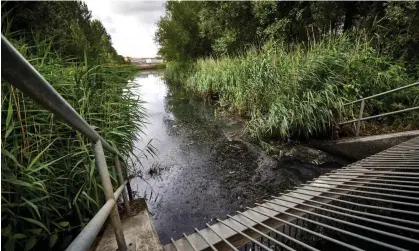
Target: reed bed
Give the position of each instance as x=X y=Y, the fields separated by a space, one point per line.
x=50 y=186
x=297 y=91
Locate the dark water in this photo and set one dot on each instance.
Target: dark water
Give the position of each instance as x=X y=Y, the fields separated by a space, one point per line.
x=198 y=174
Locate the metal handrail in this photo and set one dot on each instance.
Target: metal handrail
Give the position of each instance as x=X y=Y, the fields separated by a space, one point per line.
x=361 y=110
x=83 y=240
x=383 y=93
x=21 y=74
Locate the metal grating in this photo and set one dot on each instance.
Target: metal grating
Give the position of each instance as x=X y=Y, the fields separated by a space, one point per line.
x=371 y=204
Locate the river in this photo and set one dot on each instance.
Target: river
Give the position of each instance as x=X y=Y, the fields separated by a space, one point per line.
x=199 y=174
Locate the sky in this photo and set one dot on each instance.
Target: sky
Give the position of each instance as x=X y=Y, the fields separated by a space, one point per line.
x=131 y=24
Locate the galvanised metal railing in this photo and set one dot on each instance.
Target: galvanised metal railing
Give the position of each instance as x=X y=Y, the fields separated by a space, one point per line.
x=20 y=73
x=361 y=110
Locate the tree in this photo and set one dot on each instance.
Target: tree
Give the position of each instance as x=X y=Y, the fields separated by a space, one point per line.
x=178 y=32
x=190 y=30
x=229 y=26
x=68 y=24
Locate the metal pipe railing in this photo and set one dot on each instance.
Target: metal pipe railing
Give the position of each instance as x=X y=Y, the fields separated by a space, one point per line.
x=87 y=236
x=21 y=74
x=361 y=110
x=121 y=181
x=380 y=115
x=108 y=190
x=383 y=93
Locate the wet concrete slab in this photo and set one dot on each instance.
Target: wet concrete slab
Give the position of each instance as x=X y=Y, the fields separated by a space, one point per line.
x=361 y=147
x=138 y=230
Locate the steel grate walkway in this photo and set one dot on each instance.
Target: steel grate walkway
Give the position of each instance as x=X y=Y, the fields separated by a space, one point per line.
x=372 y=204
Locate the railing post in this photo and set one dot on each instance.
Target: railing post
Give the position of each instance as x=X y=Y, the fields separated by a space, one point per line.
x=129 y=189
x=128 y=186
x=121 y=181
x=108 y=190
x=361 y=111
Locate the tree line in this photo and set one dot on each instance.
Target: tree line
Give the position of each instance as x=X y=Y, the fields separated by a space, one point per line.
x=67 y=25
x=191 y=30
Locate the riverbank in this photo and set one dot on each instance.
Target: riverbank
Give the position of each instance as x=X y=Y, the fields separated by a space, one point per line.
x=288 y=92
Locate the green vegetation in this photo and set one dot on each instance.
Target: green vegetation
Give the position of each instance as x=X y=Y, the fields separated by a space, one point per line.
x=299 y=91
x=288 y=67
x=50 y=186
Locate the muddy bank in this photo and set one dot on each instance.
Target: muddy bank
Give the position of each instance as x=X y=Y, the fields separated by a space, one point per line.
x=202 y=170
x=251 y=175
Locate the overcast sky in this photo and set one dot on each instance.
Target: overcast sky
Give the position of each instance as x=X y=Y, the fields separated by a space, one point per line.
x=131 y=24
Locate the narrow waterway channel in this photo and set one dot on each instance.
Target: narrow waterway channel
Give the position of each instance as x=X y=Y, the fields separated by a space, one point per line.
x=199 y=174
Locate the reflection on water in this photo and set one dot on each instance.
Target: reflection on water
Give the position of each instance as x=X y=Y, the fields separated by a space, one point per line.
x=183 y=133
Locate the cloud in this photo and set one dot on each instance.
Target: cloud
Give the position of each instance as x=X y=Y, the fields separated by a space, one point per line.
x=131 y=24
x=108 y=19
x=112 y=30
x=136 y=7
x=147 y=12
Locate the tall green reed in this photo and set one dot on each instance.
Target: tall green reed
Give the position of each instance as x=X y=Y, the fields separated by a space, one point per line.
x=50 y=186
x=295 y=91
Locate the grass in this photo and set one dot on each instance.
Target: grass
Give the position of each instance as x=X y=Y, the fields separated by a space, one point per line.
x=297 y=91
x=50 y=186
